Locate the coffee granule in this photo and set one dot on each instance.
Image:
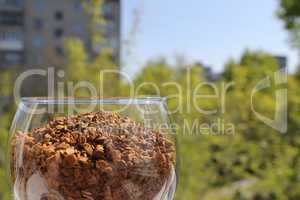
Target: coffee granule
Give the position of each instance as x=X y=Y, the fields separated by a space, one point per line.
x=93 y=156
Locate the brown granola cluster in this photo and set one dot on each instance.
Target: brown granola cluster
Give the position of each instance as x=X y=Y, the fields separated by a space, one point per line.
x=95 y=156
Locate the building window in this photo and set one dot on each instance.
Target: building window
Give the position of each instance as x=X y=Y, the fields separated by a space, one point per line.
x=38 y=24
x=58 y=33
x=12 y=2
x=10 y=36
x=59 y=51
x=58 y=15
x=12 y=58
x=11 y=18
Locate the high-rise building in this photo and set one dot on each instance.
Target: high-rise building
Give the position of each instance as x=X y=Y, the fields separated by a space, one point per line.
x=11 y=33
x=32 y=32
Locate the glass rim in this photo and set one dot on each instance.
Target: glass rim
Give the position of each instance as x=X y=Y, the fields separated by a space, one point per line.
x=96 y=100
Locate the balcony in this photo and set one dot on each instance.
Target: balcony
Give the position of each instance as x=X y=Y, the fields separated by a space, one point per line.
x=11 y=46
x=11 y=5
x=11 y=18
x=11 y=41
x=11 y=58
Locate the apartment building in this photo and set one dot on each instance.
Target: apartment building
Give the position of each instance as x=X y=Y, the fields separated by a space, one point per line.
x=32 y=32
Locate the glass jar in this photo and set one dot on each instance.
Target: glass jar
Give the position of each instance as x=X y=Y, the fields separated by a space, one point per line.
x=111 y=149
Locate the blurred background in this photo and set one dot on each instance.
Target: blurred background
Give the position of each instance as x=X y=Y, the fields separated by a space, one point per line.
x=160 y=41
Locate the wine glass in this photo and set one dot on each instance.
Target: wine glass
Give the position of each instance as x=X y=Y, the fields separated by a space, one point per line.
x=102 y=148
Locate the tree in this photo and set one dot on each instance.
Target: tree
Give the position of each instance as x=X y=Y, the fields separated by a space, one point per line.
x=289 y=13
x=6 y=114
x=257 y=162
x=82 y=66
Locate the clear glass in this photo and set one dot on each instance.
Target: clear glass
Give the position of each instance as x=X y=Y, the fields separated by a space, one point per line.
x=111 y=149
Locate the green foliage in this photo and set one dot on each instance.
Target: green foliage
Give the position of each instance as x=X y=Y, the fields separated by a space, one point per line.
x=255 y=163
x=92 y=9
x=81 y=67
x=289 y=13
x=5 y=193
x=6 y=112
x=6 y=80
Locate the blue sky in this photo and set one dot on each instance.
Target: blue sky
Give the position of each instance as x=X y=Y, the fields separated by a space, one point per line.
x=209 y=31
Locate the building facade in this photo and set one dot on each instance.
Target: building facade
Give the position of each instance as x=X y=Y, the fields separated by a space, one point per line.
x=11 y=33
x=32 y=32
